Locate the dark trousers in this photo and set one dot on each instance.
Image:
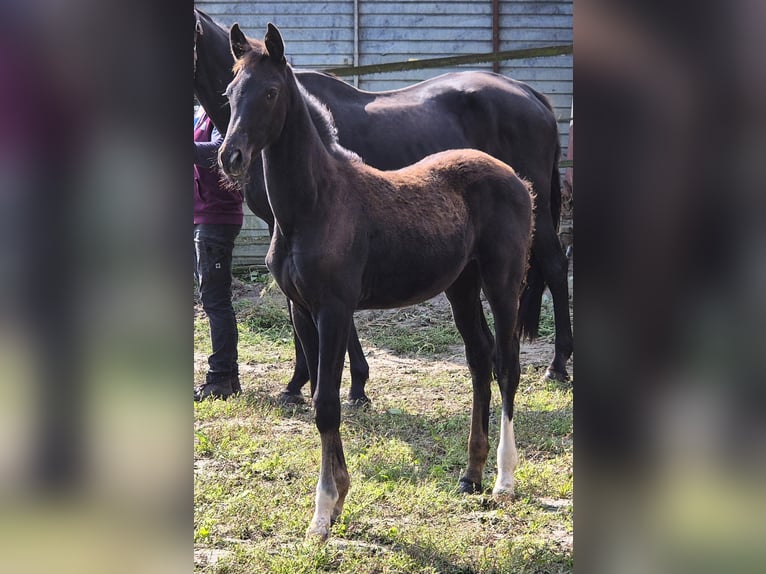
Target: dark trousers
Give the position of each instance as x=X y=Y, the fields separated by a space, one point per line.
x=213 y=246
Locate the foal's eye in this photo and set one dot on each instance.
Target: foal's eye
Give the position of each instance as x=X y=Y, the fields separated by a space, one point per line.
x=271 y=94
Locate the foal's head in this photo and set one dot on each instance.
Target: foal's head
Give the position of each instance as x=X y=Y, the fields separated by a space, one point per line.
x=258 y=98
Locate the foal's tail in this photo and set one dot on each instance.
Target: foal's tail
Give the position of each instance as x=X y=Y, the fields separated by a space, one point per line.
x=532 y=296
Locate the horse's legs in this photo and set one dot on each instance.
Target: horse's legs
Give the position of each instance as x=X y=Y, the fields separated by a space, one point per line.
x=360 y=370
x=464 y=297
x=292 y=394
x=554 y=266
x=307 y=341
x=333 y=324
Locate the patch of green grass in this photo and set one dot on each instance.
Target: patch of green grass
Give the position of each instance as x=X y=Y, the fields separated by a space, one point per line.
x=422 y=330
x=257 y=463
x=257 y=466
x=266 y=316
x=252 y=274
x=265 y=333
x=403 y=340
x=547 y=326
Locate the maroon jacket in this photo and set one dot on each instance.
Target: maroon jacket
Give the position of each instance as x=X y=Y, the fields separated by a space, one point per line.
x=213 y=202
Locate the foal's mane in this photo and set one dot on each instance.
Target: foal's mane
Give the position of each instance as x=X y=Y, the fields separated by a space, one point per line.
x=323 y=120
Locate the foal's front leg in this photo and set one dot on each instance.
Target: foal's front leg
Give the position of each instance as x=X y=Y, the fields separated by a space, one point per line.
x=333 y=325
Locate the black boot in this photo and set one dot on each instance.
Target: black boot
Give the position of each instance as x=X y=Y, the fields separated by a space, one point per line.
x=218 y=387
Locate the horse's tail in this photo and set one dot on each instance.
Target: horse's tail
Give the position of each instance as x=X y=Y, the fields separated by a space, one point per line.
x=556 y=186
x=555 y=175
x=532 y=296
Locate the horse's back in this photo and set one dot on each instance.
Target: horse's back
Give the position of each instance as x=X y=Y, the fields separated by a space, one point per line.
x=503 y=117
x=483 y=110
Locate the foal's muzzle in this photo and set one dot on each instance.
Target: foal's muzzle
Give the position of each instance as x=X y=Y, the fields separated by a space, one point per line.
x=232 y=159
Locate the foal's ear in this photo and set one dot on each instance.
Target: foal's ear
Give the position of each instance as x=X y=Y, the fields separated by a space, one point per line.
x=239 y=44
x=274 y=44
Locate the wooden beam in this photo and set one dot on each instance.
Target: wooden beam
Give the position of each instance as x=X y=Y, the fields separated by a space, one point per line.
x=451 y=61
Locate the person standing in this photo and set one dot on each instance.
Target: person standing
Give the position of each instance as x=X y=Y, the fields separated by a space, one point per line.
x=217 y=221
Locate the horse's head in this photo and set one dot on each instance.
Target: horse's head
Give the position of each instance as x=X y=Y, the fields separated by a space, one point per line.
x=257 y=97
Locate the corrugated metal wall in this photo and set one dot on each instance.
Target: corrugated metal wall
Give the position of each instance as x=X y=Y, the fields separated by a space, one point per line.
x=396 y=31
x=322 y=35
x=532 y=24
x=317 y=34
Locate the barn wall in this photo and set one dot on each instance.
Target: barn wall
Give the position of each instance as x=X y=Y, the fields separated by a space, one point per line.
x=397 y=30
x=317 y=34
x=533 y=24
x=321 y=35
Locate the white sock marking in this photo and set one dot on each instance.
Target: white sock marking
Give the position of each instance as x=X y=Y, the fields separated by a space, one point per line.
x=507 y=458
x=324 y=504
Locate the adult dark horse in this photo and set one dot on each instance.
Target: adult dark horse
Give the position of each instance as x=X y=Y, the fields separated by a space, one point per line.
x=212 y=73
x=349 y=236
x=495 y=114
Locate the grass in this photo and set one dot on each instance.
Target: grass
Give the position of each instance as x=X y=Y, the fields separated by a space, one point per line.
x=423 y=330
x=256 y=462
x=546 y=327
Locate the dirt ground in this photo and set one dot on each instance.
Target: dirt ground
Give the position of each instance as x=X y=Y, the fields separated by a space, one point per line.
x=384 y=363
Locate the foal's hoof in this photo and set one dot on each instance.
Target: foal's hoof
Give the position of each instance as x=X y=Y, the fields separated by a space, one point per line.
x=556 y=375
x=290 y=399
x=318 y=534
x=503 y=491
x=469 y=487
x=362 y=402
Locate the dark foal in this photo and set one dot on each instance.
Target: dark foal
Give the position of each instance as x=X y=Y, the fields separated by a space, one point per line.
x=348 y=236
x=503 y=117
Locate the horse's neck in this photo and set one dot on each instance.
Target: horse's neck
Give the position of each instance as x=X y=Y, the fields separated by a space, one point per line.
x=295 y=165
x=333 y=92
x=213 y=73
x=209 y=92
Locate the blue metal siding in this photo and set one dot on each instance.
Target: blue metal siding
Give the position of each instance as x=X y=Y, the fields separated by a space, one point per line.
x=532 y=23
x=400 y=30
x=316 y=34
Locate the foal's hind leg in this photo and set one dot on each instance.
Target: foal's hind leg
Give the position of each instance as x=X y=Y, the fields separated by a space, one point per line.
x=502 y=291
x=469 y=317
x=360 y=370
